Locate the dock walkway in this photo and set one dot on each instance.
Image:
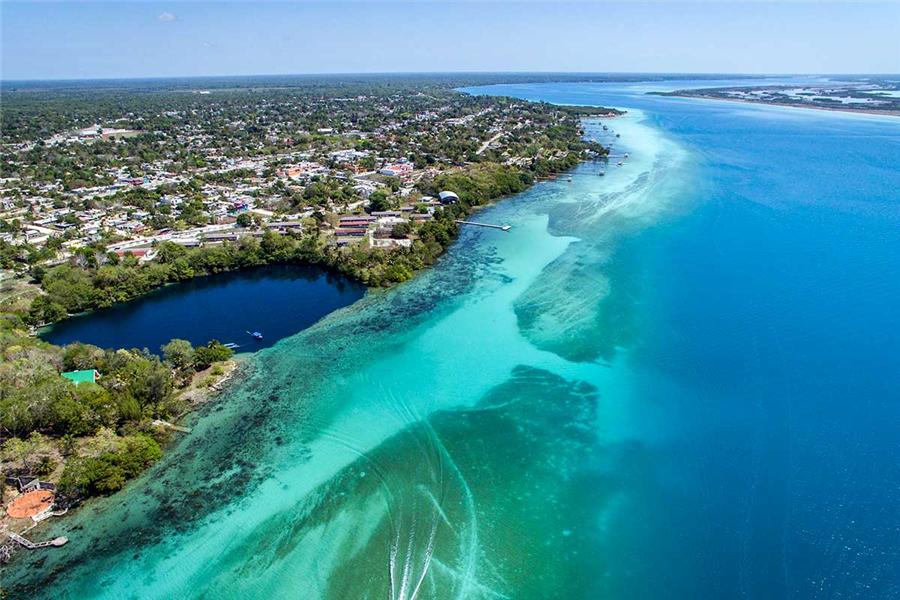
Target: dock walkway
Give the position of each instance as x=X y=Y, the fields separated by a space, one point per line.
x=501 y=227
x=32 y=546
x=172 y=426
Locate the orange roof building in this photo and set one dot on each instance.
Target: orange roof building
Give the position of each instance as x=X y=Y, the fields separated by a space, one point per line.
x=30 y=504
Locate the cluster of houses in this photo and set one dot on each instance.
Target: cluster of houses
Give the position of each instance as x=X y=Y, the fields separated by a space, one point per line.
x=40 y=221
x=42 y=218
x=222 y=203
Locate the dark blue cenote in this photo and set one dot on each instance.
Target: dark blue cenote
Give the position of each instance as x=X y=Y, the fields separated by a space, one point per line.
x=276 y=301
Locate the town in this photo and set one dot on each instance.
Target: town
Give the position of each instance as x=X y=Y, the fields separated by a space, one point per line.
x=354 y=172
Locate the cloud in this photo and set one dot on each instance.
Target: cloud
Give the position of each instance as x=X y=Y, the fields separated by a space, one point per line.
x=166 y=17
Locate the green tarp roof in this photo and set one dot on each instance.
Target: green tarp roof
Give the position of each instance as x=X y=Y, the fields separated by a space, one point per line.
x=81 y=376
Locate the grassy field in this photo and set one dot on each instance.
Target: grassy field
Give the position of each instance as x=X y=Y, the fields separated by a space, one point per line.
x=17 y=292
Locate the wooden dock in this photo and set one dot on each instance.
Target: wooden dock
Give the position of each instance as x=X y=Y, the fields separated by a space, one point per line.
x=172 y=426
x=500 y=227
x=32 y=546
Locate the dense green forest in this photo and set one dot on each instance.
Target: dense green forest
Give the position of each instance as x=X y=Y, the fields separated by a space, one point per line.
x=91 y=437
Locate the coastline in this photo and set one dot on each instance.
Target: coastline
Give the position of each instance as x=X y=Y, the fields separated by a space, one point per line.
x=336 y=440
x=321 y=383
x=200 y=391
x=882 y=113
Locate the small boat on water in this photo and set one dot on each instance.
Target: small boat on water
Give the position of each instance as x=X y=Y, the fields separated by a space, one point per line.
x=256 y=335
x=230 y=345
x=601 y=173
x=619 y=164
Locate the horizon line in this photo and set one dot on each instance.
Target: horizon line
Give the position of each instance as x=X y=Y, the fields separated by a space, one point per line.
x=449 y=73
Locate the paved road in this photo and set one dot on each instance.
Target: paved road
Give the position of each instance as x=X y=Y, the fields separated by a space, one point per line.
x=485 y=145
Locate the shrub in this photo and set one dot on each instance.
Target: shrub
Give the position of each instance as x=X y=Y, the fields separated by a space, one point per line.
x=212 y=353
x=107 y=473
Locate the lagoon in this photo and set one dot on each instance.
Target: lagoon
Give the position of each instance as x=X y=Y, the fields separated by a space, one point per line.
x=674 y=381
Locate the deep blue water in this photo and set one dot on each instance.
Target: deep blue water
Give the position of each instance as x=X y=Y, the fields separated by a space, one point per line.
x=277 y=301
x=771 y=344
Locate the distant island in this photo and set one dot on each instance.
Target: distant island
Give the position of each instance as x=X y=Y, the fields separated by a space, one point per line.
x=859 y=95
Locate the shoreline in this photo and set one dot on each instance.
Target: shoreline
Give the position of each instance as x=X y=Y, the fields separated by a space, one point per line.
x=380 y=439
x=882 y=113
x=194 y=396
x=236 y=374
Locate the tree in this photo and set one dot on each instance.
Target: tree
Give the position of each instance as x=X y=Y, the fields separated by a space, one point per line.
x=378 y=201
x=368 y=163
x=28 y=450
x=179 y=353
x=44 y=310
x=169 y=251
x=113 y=461
x=401 y=230
x=38 y=272
x=214 y=352
x=143 y=384
x=244 y=219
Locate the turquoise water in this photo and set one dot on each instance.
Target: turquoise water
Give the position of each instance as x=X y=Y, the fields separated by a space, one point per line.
x=675 y=381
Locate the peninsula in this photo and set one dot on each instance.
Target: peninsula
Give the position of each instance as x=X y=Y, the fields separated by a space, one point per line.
x=878 y=96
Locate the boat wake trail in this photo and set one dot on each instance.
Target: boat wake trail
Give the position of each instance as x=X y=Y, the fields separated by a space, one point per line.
x=418 y=516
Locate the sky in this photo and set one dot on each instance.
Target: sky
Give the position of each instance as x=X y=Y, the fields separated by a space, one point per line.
x=78 y=40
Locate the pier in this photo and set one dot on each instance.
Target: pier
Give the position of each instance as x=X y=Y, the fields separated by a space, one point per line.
x=32 y=546
x=501 y=227
x=172 y=426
